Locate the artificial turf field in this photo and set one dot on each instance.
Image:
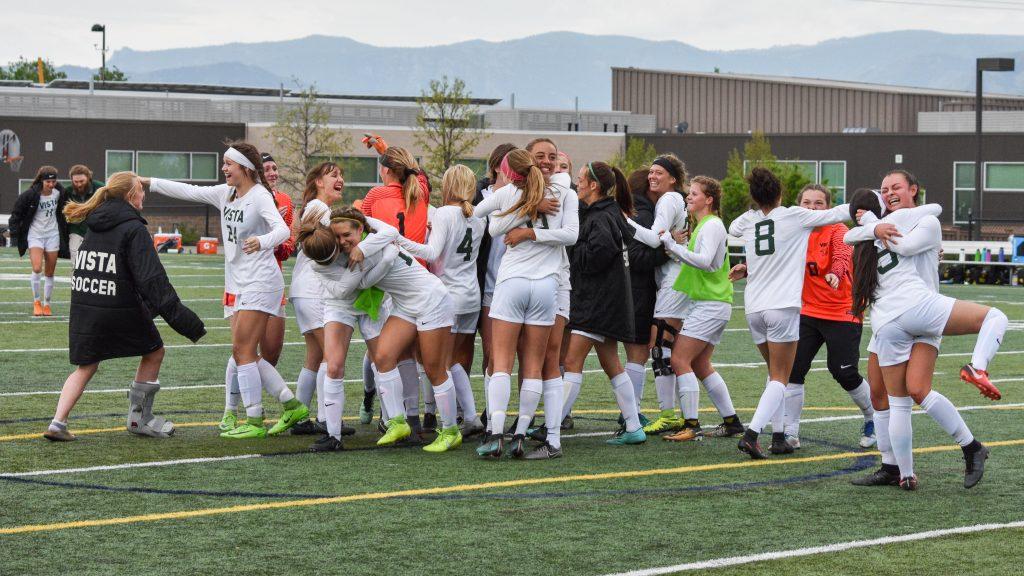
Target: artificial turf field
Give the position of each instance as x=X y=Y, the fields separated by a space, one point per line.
x=198 y=504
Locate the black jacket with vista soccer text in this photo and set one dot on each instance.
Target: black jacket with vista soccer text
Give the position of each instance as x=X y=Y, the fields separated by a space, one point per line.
x=118 y=287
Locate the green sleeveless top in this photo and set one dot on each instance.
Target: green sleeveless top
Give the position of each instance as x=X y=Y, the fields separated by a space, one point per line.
x=700 y=285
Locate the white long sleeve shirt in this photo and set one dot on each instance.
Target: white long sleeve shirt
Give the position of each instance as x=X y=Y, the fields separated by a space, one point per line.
x=252 y=215
x=339 y=284
x=710 y=249
x=776 y=251
x=451 y=251
x=669 y=215
x=305 y=283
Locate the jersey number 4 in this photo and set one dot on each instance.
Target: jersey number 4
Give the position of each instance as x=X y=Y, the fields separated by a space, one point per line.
x=890 y=264
x=764 y=237
x=466 y=246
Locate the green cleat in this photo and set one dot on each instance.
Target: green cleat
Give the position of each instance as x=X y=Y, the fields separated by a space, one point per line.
x=245 y=431
x=365 y=416
x=636 y=437
x=228 y=422
x=644 y=420
x=290 y=417
x=448 y=439
x=398 y=429
x=493 y=446
x=666 y=422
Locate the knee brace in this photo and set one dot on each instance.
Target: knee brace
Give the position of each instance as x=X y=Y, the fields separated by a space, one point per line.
x=660 y=365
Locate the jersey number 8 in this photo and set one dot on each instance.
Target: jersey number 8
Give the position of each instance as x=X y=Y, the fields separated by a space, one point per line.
x=764 y=237
x=893 y=261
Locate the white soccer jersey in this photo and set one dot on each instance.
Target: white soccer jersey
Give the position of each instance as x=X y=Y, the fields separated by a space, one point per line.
x=497 y=250
x=908 y=268
x=254 y=214
x=339 y=284
x=542 y=258
x=44 y=223
x=413 y=290
x=572 y=212
x=304 y=281
x=669 y=215
x=451 y=250
x=776 y=249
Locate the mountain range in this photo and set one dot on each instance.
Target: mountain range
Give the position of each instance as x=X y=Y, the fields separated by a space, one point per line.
x=552 y=69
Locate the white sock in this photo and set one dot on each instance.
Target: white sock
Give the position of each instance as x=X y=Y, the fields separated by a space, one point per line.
x=305 y=386
x=487 y=382
x=334 y=403
x=638 y=377
x=389 y=387
x=622 y=386
x=321 y=410
x=273 y=383
x=901 y=433
x=426 y=391
x=989 y=338
x=36 y=277
x=572 y=383
x=529 y=398
x=446 y=402
x=794 y=404
x=881 y=418
x=48 y=290
x=251 y=389
x=368 y=375
x=463 y=392
x=861 y=396
x=771 y=401
x=666 y=389
x=715 y=386
x=942 y=411
x=554 y=396
x=410 y=387
x=231 y=393
x=689 y=395
x=383 y=405
x=498 y=393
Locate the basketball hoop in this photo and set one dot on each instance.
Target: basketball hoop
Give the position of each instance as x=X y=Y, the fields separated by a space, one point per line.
x=10 y=149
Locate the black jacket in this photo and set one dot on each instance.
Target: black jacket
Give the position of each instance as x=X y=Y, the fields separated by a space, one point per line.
x=643 y=262
x=602 y=300
x=118 y=287
x=485 y=242
x=25 y=210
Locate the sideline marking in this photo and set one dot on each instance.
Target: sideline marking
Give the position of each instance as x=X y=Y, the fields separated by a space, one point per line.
x=371 y=496
x=825 y=549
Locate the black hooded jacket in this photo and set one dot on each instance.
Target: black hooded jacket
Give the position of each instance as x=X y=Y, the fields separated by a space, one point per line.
x=24 y=212
x=602 y=300
x=118 y=287
x=643 y=262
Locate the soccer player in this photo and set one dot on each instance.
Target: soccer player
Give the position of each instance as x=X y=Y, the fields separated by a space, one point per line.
x=38 y=226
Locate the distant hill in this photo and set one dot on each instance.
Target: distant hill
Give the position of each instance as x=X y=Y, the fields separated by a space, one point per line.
x=550 y=70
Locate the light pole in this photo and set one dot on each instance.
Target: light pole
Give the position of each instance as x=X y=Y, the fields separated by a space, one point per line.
x=102 y=28
x=990 y=65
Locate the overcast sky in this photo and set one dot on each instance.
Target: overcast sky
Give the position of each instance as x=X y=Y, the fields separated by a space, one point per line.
x=59 y=29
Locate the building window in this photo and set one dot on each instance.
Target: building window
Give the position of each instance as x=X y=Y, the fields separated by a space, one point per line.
x=204 y=166
x=963 y=192
x=170 y=165
x=119 y=161
x=1004 y=177
x=831 y=173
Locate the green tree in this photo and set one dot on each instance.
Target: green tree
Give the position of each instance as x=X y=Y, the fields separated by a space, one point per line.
x=638 y=153
x=110 y=75
x=25 y=69
x=756 y=152
x=302 y=138
x=448 y=125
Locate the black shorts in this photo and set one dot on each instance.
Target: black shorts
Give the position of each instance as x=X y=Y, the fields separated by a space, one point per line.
x=842 y=343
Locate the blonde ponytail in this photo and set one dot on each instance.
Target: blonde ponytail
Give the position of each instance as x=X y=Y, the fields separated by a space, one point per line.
x=531 y=184
x=406 y=170
x=459 y=185
x=119 y=185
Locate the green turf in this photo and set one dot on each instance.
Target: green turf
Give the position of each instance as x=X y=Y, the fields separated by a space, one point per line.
x=633 y=519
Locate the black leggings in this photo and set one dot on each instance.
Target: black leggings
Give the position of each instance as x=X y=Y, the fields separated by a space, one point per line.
x=841 y=340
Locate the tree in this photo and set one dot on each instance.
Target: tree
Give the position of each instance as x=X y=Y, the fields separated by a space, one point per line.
x=24 y=69
x=302 y=138
x=756 y=152
x=110 y=75
x=448 y=125
x=637 y=154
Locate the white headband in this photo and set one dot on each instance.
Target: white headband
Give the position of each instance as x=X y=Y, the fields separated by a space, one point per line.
x=881 y=203
x=239 y=158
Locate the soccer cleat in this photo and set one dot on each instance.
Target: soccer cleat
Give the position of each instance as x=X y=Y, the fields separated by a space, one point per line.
x=37 y=308
x=398 y=429
x=321 y=427
x=365 y=416
x=493 y=446
x=975 y=467
x=327 y=443
x=880 y=477
x=470 y=429
x=305 y=428
x=909 y=483
x=538 y=434
x=793 y=441
x=59 y=436
x=228 y=422
x=666 y=422
x=628 y=438
x=644 y=420
x=867 y=437
x=288 y=419
x=46 y=310
x=724 y=430
x=980 y=380
x=544 y=452
x=429 y=422
x=567 y=424
x=447 y=439
x=245 y=431
x=780 y=447
x=751 y=447
x=518 y=446
x=687 y=434
x=347 y=430
x=382 y=425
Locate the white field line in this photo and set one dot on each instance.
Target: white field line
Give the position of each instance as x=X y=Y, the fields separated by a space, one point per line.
x=816 y=550
x=214 y=459
x=29 y=288
x=28 y=303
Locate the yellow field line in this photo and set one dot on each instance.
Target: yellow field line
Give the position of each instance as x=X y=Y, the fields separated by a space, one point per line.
x=183 y=514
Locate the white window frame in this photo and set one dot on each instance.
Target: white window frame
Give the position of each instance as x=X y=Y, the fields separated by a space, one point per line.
x=191 y=178
x=191 y=170
x=106 y=161
x=984 y=177
x=843 y=187
x=960 y=190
